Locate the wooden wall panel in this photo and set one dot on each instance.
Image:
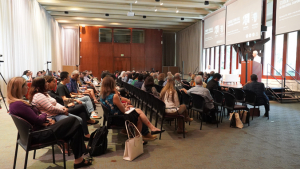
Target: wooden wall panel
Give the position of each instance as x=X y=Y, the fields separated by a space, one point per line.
x=89 y=34
x=138 y=56
x=105 y=56
x=121 y=63
x=89 y=54
x=122 y=48
x=153 y=49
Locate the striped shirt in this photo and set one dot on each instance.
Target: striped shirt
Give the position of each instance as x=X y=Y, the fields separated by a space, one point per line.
x=47 y=104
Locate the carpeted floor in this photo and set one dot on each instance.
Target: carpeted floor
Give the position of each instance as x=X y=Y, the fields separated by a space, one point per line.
x=264 y=144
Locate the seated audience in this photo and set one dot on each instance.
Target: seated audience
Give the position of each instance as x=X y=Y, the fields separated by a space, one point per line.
x=43 y=73
x=178 y=83
x=214 y=83
x=211 y=75
x=27 y=75
x=63 y=91
x=72 y=86
x=110 y=98
x=170 y=98
x=209 y=102
x=149 y=86
x=129 y=78
x=58 y=73
x=38 y=74
x=161 y=79
x=140 y=82
x=169 y=74
x=259 y=89
x=189 y=78
x=91 y=74
x=135 y=78
x=192 y=82
x=68 y=129
x=124 y=76
x=155 y=78
x=78 y=110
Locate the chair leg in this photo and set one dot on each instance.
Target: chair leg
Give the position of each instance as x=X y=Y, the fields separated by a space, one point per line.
x=156 y=120
x=16 y=153
x=161 y=126
x=53 y=157
x=253 y=112
x=190 y=116
x=64 y=155
x=26 y=159
x=69 y=153
x=183 y=128
x=34 y=154
x=200 y=121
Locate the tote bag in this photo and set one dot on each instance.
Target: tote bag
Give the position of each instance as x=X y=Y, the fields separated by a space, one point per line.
x=133 y=146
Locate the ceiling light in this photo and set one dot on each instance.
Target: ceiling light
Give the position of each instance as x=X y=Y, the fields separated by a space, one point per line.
x=99 y=19
x=135 y=2
x=115 y=23
x=74 y=9
x=63 y=21
x=83 y=26
x=66 y=12
x=106 y=14
x=157 y=0
x=182 y=19
x=177 y=11
x=78 y=18
x=144 y=16
x=161 y=3
x=155 y=9
x=206 y=2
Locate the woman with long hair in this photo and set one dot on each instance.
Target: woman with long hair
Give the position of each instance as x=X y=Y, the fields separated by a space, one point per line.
x=110 y=98
x=149 y=86
x=66 y=129
x=169 y=95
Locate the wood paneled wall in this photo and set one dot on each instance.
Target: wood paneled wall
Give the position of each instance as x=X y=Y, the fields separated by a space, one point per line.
x=98 y=56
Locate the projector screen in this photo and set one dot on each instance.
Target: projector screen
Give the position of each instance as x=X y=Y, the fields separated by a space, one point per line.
x=214 y=29
x=287 y=16
x=243 y=21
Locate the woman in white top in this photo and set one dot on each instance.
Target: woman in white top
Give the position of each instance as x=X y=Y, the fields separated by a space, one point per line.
x=170 y=98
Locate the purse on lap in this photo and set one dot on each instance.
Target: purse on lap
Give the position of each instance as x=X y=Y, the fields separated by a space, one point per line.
x=133 y=146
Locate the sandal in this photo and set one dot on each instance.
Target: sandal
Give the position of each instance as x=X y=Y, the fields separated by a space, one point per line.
x=83 y=164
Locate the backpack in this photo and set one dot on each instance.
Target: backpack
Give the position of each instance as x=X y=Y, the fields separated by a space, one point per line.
x=98 y=141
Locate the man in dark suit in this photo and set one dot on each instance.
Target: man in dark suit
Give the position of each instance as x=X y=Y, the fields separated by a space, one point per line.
x=259 y=89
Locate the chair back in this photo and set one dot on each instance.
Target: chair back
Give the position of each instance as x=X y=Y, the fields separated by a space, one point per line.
x=186 y=87
x=218 y=97
x=160 y=106
x=179 y=96
x=198 y=102
x=229 y=101
x=230 y=90
x=186 y=99
x=239 y=95
x=106 y=112
x=250 y=97
x=24 y=128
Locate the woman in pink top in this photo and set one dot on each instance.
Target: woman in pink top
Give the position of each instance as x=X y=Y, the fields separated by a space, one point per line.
x=39 y=97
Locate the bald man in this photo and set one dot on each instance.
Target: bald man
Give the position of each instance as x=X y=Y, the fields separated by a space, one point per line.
x=256 y=58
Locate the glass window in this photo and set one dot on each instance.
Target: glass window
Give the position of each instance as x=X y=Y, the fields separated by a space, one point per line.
x=233 y=63
x=204 y=59
x=212 y=57
x=227 y=70
x=105 y=34
x=217 y=59
x=137 y=36
x=291 y=54
x=268 y=49
x=207 y=59
x=122 y=35
x=278 y=55
x=222 y=59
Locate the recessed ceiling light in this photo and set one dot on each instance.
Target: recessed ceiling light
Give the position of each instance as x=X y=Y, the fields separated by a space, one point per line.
x=115 y=23
x=155 y=9
x=182 y=19
x=206 y=2
x=135 y=2
x=144 y=16
x=161 y=3
x=79 y=18
x=99 y=19
x=106 y=14
x=74 y=9
x=177 y=11
x=63 y=21
x=66 y=12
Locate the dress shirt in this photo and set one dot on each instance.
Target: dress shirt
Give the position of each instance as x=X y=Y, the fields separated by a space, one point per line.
x=199 y=90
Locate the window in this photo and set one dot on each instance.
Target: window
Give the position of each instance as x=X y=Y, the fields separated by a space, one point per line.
x=137 y=36
x=222 y=59
x=291 y=54
x=278 y=55
x=122 y=35
x=268 y=49
x=105 y=35
x=207 y=59
x=217 y=59
x=212 y=50
x=233 y=62
x=227 y=70
x=204 y=59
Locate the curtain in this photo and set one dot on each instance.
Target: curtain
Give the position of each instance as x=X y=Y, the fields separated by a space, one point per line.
x=71 y=47
x=169 y=49
x=189 y=48
x=29 y=37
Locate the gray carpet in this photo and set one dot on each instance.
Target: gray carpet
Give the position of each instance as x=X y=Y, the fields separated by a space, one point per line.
x=265 y=143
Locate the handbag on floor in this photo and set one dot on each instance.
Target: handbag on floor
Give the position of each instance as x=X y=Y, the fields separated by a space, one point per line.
x=133 y=146
x=235 y=120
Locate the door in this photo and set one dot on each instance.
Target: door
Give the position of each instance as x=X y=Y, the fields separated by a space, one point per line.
x=122 y=64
